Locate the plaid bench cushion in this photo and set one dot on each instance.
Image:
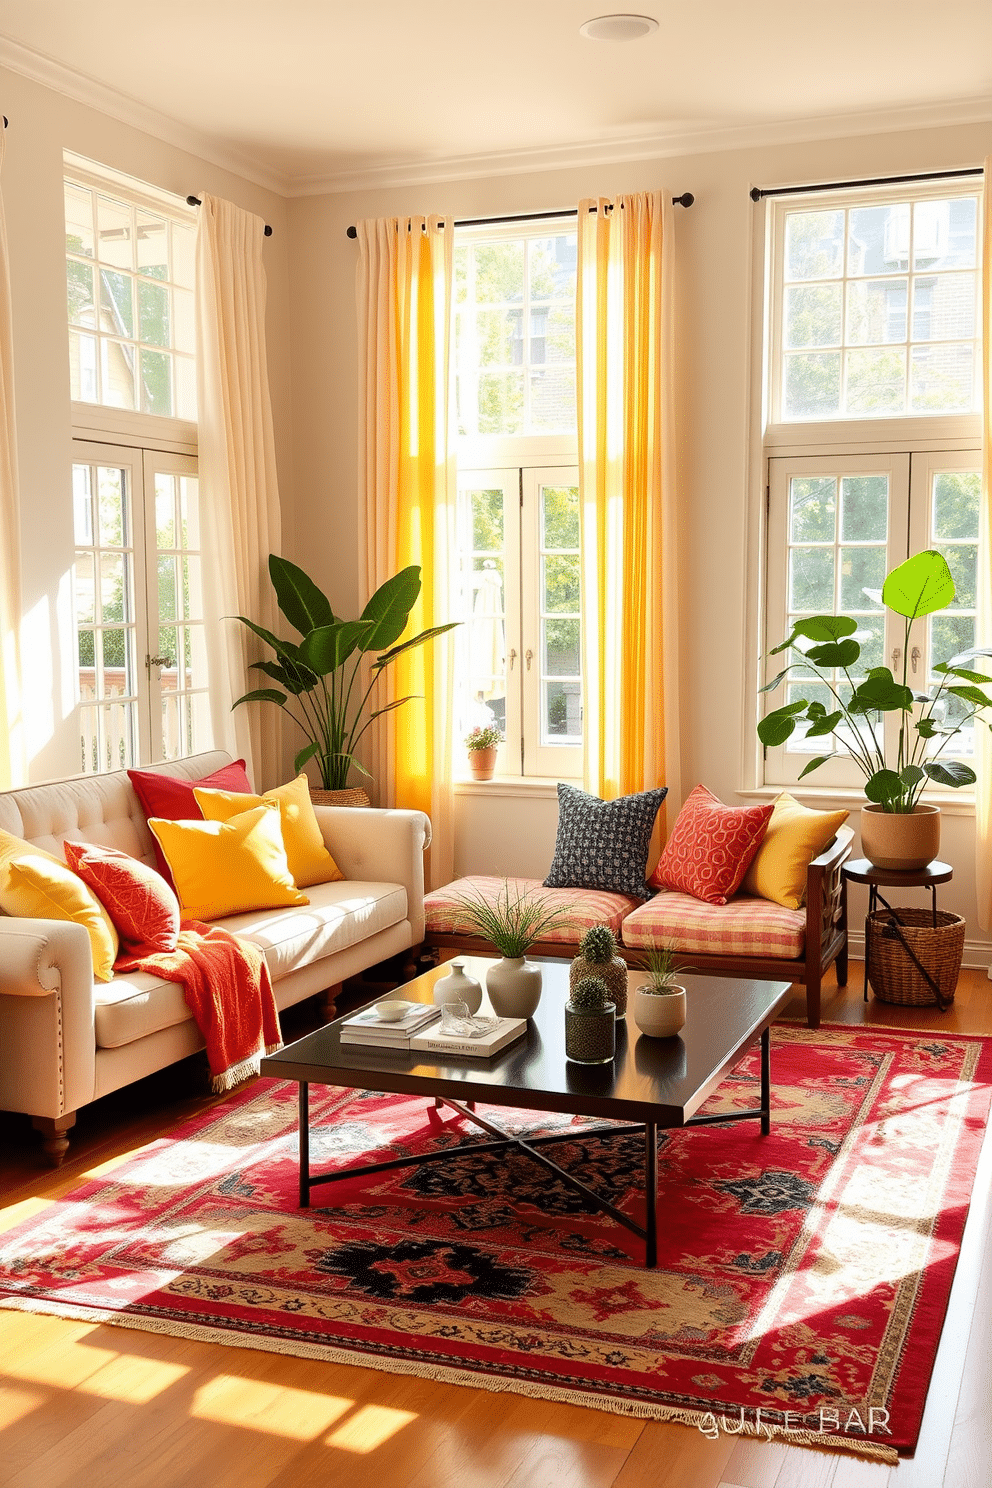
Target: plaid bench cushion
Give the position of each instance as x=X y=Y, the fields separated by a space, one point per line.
x=742 y=927
x=586 y=907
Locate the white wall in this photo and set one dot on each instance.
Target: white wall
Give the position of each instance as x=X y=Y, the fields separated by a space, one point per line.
x=42 y=125
x=714 y=346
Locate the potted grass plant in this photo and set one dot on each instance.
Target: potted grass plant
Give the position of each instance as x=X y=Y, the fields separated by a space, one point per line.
x=898 y=830
x=659 y=1003
x=511 y=922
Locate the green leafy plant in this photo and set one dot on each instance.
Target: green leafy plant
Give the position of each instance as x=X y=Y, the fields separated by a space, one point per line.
x=831 y=644
x=320 y=674
x=513 y=921
x=662 y=970
x=598 y=946
x=590 y=995
x=483 y=738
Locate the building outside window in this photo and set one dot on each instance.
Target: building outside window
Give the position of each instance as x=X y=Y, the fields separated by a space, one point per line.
x=872 y=432
x=518 y=650
x=137 y=578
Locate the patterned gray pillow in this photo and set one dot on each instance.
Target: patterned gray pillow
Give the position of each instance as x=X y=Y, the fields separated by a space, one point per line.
x=603 y=844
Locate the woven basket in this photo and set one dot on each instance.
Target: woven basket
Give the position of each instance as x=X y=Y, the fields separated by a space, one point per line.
x=912 y=961
x=353 y=796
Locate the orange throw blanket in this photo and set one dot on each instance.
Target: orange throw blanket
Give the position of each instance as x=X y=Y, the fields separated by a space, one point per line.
x=228 y=990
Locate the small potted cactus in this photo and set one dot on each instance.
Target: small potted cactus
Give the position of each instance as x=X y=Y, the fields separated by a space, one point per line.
x=590 y=1023
x=598 y=958
x=659 y=1003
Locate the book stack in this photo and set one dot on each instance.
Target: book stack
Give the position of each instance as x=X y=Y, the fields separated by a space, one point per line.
x=436 y=1041
x=366 y=1027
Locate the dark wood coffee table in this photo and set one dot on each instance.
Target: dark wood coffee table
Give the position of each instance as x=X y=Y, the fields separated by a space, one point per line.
x=651 y=1083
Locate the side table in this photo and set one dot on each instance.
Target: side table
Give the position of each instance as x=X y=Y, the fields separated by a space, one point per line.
x=859 y=870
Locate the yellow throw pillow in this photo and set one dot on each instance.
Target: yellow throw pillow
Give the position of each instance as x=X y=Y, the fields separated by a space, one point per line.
x=36 y=885
x=309 y=861
x=225 y=868
x=794 y=837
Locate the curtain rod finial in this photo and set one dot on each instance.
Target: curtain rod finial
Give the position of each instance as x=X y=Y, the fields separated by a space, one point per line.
x=352 y=232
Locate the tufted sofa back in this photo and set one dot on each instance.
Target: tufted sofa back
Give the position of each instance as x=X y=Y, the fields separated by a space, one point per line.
x=94 y=808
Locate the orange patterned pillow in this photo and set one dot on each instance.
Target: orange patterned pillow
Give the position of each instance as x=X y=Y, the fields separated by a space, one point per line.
x=710 y=848
x=141 y=904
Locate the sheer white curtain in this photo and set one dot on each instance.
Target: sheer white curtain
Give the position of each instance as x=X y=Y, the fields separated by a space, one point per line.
x=239 y=494
x=407 y=474
x=11 y=723
x=983 y=789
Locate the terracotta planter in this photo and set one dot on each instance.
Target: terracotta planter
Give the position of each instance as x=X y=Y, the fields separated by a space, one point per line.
x=659 y=1015
x=900 y=840
x=482 y=762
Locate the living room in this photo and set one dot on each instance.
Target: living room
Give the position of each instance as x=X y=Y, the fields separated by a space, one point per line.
x=892 y=117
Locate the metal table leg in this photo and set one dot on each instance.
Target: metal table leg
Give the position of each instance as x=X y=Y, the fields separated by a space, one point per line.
x=304 y=1145
x=651 y=1194
x=766 y=1084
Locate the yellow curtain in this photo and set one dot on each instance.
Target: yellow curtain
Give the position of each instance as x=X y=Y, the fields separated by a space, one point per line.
x=408 y=475
x=983 y=744
x=625 y=426
x=11 y=722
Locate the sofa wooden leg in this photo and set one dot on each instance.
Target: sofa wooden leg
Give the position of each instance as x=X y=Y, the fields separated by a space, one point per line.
x=841 y=966
x=813 y=1003
x=55 y=1143
x=328 y=1002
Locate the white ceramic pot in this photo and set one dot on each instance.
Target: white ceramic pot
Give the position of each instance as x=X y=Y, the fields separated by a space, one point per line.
x=514 y=987
x=659 y=1015
x=458 y=986
x=901 y=840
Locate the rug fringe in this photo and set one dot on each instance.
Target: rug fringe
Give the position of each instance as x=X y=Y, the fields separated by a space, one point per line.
x=359 y=1359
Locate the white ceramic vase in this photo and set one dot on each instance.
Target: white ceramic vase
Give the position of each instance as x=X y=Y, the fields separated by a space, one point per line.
x=514 y=987
x=458 y=986
x=659 y=1015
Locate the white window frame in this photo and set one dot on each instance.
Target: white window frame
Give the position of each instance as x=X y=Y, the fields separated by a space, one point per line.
x=518 y=464
x=935 y=438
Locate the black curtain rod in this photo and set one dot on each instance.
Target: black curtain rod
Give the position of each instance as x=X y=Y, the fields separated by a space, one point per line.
x=757 y=192
x=194 y=201
x=685 y=200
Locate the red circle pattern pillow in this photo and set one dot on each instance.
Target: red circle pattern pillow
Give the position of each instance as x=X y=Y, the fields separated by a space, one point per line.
x=710 y=848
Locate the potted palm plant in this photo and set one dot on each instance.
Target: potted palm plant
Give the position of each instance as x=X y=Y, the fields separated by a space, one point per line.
x=319 y=675
x=898 y=830
x=512 y=921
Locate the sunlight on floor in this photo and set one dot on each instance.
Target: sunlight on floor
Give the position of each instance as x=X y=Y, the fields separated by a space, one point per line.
x=15 y=1403
x=15 y=1214
x=96 y=1371
x=369 y=1427
x=259 y=1405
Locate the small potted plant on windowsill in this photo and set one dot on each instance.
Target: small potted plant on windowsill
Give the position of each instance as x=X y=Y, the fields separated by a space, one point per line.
x=659 y=1003
x=482 y=744
x=897 y=829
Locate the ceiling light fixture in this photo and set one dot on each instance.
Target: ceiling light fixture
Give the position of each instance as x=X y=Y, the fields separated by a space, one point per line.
x=618 y=27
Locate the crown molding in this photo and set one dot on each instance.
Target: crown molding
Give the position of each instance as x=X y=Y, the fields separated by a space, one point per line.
x=654 y=146
x=121 y=106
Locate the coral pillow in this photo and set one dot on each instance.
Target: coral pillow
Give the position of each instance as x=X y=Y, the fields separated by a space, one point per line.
x=711 y=847
x=141 y=904
x=794 y=837
x=172 y=799
x=224 y=868
x=309 y=860
x=36 y=885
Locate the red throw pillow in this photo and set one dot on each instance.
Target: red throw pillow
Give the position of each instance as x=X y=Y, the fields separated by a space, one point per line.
x=141 y=904
x=169 y=797
x=710 y=848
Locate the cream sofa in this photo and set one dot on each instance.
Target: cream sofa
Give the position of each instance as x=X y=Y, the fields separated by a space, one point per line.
x=65 y=1040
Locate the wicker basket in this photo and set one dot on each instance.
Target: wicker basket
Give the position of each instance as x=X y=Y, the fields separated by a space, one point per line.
x=911 y=960
x=353 y=796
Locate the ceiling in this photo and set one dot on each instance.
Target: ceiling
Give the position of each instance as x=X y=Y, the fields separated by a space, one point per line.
x=325 y=93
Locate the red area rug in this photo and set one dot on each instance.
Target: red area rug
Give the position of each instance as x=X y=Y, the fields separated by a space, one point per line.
x=802 y=1279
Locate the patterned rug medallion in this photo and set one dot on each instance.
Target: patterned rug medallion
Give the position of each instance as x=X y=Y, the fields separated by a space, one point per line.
x=802 y=1278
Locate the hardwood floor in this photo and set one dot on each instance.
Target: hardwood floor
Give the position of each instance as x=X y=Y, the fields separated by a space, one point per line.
x=84 y=1403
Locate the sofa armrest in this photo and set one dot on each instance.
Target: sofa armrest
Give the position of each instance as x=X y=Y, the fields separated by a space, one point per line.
x=380 y=846
x=824 y=890
x=47 y=1016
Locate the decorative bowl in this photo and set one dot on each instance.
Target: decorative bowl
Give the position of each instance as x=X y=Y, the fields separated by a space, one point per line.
x=392 y=1012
